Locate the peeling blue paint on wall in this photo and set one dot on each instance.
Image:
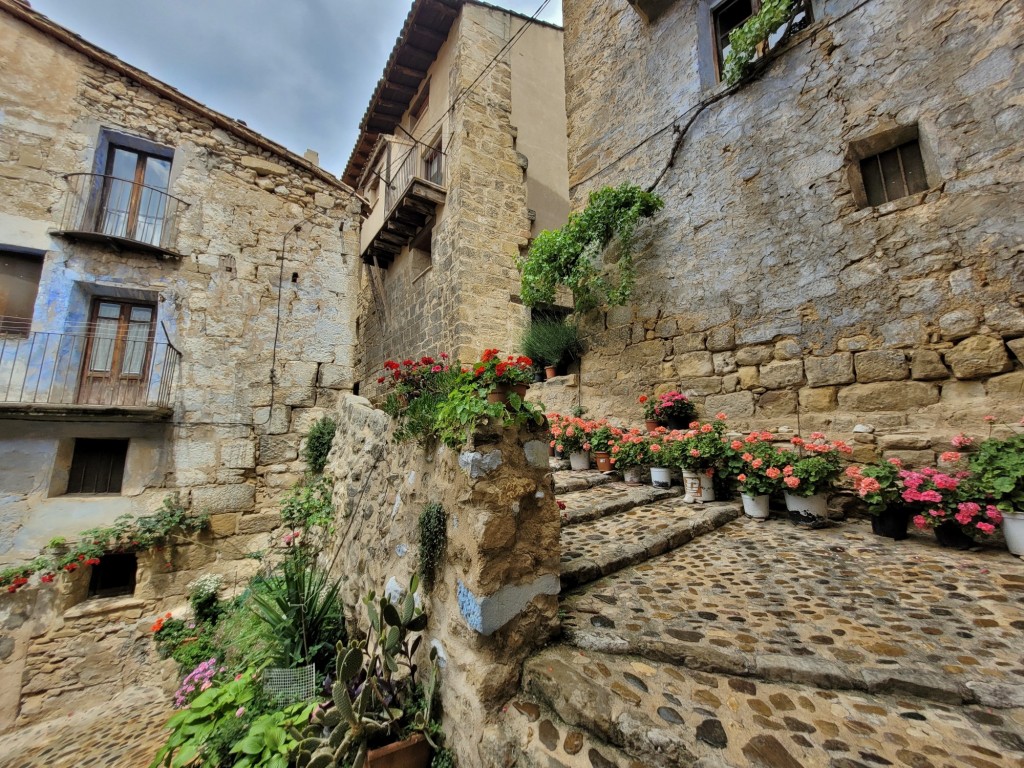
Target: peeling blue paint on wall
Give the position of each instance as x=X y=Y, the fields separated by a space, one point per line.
x=469 y=606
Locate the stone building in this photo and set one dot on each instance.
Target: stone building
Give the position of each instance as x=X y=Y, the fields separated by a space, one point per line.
x=461 y=155
x=176 y=305
x=841 y=239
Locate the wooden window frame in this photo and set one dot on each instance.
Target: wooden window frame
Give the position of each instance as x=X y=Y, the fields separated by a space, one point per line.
x=116 y=373
x=878 y=143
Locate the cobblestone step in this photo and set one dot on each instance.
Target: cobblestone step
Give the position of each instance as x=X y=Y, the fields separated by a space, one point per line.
x=609 y=499
x=608 y=544
x=568 y=480
x=659 y=715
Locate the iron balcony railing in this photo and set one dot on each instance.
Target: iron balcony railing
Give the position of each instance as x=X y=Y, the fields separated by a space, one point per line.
x=408 y=163
x=86 y=370
x=109 y=208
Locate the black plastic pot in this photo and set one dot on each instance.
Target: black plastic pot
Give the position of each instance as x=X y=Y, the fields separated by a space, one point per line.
x=892 y=522
x=951 y=535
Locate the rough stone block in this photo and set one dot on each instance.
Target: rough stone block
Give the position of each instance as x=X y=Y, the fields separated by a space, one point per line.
x=323 y=200
x=962 y=392
x=224 y=498
x=694 y=364
x=335 y=376
x=724 y=362
x=735 y=404
x=926 y=365
x=1005 y=320
x=855 y=343
x=881 y=365
x=261 y=523
x=978 y=356
x=830 y=370
x=275 y=450
x=788 y=349
x=721 y=339
x=754 y=355
x=777 y=403
x=784 y=373
x=238 y=454
x=888 y=396
x=818 y=399
x=750 y=377
x=263 y=167
x=666 y=328
x=1017 y=347
x=1007 y=387
x=958 y=324
x=904 y=442
x=699 y=386
x=688 y=342
x=224 y=524
x=912 y=458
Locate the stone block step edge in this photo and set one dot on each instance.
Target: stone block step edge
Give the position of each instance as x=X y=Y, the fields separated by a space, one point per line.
x=614 y=506
x=568 y=481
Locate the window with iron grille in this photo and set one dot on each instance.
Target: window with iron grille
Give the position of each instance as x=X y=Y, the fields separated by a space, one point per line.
x=97 y=466
x=895 y=173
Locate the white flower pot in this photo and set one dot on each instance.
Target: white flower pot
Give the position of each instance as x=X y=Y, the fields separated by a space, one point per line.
x=1013 y=531
x=661 y=477
x=633 y=475
x=698 y=486
x=755 y=506
x=579 y=460
x=815 y=505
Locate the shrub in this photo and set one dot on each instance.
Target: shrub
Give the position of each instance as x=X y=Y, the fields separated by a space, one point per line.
x=550 y=341
x=433 y=538
x=310 y=504
x=318 y=444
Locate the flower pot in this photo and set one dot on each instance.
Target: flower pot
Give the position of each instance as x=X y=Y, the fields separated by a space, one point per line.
x=550 y=372
x=551 y=450
x=891 y=522
x=698 y=487
x=414 y=752
x=501 y=392
x=807 y=510
x=579 y=460
x=675 y=423
x=661 y=477
x=755 y=506
x=651 y=425
x=1013 y=531
x=950 y=534
x=633 y=475
x=603 y=459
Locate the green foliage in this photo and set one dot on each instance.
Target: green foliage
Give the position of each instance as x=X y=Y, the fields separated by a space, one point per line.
x=443 y=758
x=888 y=493
x=998 y=472
x=433 y=538
x=377 y=697
x=301 y=610
x=202 y=596
x=745 y=40
x=318 y=444
x=817 y=474
x=550 y=341
x=571 y=256
x=246 y=639
x=310 y=504
x=466 y=407
x=416 y=409
x=269 y=742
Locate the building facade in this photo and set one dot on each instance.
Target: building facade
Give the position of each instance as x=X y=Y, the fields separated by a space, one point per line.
x=841 y=236
x=461 y=156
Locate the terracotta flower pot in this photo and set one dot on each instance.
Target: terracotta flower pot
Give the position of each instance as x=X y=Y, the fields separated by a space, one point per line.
x=414 y=752
x=651 y=425
x=603 y=459
x=550 y=372
x=501 y=392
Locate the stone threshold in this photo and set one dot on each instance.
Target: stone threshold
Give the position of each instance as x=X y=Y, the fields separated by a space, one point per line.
x=610 y=499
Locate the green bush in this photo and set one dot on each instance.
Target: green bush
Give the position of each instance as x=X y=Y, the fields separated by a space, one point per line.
x=318 y=444
x=310 y=504
x=433 y=539
x=550 y=341
x=745 y=40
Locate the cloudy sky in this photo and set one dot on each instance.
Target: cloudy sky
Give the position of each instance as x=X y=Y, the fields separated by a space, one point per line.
x=301 y=72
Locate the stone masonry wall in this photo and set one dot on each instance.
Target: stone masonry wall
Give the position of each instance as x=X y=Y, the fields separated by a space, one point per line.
x=763 y=289
x=495 y=596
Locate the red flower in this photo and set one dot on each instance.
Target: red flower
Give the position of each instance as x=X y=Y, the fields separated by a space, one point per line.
x=46 y=578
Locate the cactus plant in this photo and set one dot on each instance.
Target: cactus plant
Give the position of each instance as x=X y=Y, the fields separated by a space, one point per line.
x=376 y=696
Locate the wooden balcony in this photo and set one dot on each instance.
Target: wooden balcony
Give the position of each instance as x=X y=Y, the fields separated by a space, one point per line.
x=413 y=190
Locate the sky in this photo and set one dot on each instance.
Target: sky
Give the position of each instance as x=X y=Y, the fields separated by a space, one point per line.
x=301 y=72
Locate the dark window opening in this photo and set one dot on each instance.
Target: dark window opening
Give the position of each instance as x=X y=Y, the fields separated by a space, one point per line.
x=433 y=165
x=895 y=173
x=97 y=466
x=295 y=277
x=355 y=388
x=725 y=18
x=114 y=576
x=718 y=19
x=19 y=283
x=420 y=105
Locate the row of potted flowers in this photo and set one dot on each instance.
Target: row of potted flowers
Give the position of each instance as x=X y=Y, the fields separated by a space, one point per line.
x=972 y=496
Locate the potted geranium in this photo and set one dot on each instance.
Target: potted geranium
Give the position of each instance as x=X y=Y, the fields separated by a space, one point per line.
x=757 y=466
x=671 y=409
x=998 y=476
x=809 y=477
x=631 y=455
x=571 y=435
x=880 y=487
x=697 y=453
x=601 y=439
x=947 y=504
x=502 y=376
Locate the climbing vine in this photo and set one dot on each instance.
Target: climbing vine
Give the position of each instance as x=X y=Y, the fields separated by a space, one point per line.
x=318 y=444
x=745 y=40
x=570 y=256
x=433 y=538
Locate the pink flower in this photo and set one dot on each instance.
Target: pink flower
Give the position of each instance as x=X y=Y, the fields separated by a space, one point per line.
x=895 y=461
x=962 y=441
x=772 y=473
x=695 y=453
x=721 y=416
x=655 y=448
x=240 y=711
x=990 y=419
x=993 y=514
x=791 y=482
x=747 y=457
x=757 y=463
x=705 y=428
x=736 y=445
x=950 y=456
x=787 y=470
x=986 y=528
x=742 y=478
x=868 y=485
x=920 y=522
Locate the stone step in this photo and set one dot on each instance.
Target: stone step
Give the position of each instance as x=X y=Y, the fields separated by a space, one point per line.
x=568 y=480
x=600 y=547
x=659 y=715
x=609 y=499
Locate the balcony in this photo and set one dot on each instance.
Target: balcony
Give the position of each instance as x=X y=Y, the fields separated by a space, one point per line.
x=94 y=374
x=413 y=188
x=125 y=215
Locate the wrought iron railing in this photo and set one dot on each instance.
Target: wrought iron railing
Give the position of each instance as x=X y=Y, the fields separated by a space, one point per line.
x=407 y=164
x=51 y=369
x=110 y=207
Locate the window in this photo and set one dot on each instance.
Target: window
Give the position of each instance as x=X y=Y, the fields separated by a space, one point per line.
x=19 y=283
x=433 y=165
x=118 y=353
x=724 y=19
x=134 y=195
x=717 y=18
x=114 y=576
x=97 y=466
x=893 y=174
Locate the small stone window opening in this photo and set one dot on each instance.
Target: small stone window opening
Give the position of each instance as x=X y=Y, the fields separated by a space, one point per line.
x=97 y=466
x=895 y=173
x=114 y=576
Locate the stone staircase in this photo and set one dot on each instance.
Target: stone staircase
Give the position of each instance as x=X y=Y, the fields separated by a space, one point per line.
x=693 y=636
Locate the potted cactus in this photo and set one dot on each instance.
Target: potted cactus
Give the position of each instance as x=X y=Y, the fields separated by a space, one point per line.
x=381 y=713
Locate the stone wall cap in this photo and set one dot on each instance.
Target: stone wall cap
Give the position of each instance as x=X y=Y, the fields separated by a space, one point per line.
x=104 y=605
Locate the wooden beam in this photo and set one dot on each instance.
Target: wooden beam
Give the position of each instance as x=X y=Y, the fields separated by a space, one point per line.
x=431 y=34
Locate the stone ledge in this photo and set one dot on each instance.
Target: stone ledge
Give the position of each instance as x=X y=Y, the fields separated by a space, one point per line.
x=105 y=605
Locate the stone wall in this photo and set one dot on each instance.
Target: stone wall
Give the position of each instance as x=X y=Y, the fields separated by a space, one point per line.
x=495 y=596
x=763 y=288
x=233 y=443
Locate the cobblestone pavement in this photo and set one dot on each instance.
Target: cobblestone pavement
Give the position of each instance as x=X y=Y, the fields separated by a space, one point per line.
x=123 y=733
x=838 y=606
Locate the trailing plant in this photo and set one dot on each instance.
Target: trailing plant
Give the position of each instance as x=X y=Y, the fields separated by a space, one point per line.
x=551 y=341
x=747 y=41
x=492 y=371
x=466 y=407
x=669 y=406
x=187 y=642
x=443 y=758
x=377 y=695
x=318 y=444
x=310 y=504
x=570 y=256
x=433 y=538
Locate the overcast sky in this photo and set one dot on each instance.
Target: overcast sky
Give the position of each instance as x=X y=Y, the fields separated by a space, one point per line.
x=301 y=72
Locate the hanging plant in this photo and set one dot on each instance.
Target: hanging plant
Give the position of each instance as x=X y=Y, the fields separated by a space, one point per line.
x=747 y=40
x=570 y=256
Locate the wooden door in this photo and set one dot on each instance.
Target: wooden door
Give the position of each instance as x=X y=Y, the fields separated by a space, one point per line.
x=118 y=353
